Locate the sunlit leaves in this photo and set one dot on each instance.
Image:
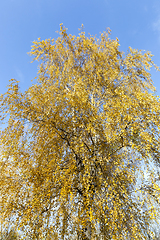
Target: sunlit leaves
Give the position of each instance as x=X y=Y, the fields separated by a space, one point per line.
x=75 y=140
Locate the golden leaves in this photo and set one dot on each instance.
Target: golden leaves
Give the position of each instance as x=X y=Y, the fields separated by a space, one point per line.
x=76 y=138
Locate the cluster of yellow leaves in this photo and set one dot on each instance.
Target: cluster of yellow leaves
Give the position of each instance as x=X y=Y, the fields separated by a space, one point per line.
x=75 y=139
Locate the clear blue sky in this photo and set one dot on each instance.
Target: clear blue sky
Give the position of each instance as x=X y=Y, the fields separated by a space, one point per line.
x=135 y=22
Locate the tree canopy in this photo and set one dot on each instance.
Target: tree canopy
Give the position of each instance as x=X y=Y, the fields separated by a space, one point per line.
x=75 y=139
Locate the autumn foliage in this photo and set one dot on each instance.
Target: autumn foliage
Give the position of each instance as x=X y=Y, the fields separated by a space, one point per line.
x=75 y=140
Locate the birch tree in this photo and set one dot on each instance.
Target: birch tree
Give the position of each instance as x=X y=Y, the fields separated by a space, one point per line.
x=75 y=139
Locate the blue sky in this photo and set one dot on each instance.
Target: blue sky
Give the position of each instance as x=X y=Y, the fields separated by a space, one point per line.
x=136 y=23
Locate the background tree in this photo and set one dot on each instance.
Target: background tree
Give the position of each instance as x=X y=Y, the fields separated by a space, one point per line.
x=75 y=140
